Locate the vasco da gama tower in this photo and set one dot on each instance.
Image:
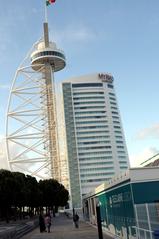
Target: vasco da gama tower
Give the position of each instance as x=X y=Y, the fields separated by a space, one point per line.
x=31 y=127
x=95 y=142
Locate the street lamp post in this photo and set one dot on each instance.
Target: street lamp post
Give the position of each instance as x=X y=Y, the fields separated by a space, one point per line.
x=99 y=224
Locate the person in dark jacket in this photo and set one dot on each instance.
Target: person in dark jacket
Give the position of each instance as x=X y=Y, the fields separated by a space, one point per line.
x=76 y=220
x=42 y=223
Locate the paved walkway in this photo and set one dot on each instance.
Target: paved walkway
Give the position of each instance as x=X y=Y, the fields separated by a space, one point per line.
x=63 y=228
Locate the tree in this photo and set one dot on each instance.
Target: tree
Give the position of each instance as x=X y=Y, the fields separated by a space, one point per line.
x=32 y=193
x=7 y=190
x=18 y=190
x=62 y=196
x=54 y=193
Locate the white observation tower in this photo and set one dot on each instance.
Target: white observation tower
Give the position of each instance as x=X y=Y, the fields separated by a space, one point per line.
x=31 y=125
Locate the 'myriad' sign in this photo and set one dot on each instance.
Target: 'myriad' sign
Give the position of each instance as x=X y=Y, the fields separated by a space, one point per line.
x=105 y=77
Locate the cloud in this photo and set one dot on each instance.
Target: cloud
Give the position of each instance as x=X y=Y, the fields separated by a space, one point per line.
x=137 y=159
x=3 y=157
x=149 y=133
x=73 y=33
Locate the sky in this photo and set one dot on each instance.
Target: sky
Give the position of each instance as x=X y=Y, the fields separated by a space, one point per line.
x=120 y=37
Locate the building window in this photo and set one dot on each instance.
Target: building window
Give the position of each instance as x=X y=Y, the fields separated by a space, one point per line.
x=123 y=167
x=88 y=102
x=112 y=98
x=114 y=112
x=110 y=93
x=119 y=142
x=116 y=127
x=120 y=147
x=87 y=93
x=110 y=86
x=87 y=85
x=115 y=117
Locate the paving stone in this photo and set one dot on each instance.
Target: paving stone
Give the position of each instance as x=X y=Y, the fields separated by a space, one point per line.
x=63 y=228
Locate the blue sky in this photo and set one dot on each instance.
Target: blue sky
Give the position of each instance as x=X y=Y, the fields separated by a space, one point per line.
x=116 y=36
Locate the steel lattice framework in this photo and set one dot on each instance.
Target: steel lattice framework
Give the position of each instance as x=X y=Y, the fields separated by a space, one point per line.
x=31 y=125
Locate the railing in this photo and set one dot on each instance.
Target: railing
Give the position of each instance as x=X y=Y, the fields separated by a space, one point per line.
x=147 y=220
x=142 y=233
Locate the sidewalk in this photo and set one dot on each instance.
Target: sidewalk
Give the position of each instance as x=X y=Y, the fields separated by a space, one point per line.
x=63 y=228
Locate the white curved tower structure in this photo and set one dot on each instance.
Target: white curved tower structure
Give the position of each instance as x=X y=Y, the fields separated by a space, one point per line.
x=31 y=125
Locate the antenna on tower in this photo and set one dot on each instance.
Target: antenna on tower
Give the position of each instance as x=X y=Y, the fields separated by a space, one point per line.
x=46 y=17
x=47 y=3
x=46 y=32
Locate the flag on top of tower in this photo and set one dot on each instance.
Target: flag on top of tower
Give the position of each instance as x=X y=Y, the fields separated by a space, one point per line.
x=48 y=2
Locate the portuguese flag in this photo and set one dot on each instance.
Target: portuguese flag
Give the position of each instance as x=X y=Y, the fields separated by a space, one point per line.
x=48 y=2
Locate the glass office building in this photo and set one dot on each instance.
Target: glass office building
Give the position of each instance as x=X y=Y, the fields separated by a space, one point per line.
x=95 y=142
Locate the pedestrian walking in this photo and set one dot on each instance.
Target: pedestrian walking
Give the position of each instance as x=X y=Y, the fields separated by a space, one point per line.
x=76 y=220
x=48 y=222
x=41 y=223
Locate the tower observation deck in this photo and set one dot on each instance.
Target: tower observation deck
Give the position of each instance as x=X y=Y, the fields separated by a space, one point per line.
x=31 y=125
x=48 y=54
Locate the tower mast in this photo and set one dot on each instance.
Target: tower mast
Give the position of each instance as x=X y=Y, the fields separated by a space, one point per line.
x=51 y=113
x=53 y=61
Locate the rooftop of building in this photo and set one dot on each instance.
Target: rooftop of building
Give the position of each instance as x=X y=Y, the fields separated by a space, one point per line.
x=133 y=175
x=151 y=162
x=88 y=78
